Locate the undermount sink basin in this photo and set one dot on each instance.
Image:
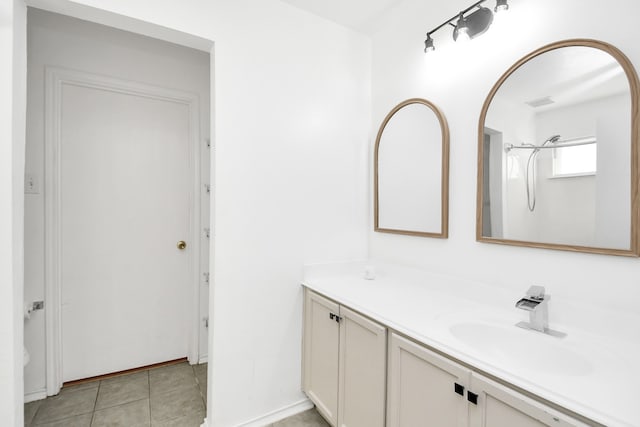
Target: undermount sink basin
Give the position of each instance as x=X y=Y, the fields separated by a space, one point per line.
x=526 y=349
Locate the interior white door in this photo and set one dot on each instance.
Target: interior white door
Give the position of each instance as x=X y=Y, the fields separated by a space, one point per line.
x=125 y=196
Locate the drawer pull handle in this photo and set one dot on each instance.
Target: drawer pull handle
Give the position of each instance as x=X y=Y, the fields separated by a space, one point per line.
x=472 y=397
x=458 y=389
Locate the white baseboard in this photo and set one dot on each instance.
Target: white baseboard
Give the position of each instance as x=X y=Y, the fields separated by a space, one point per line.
x=203 y=359
x=272 y=417
x=278 y=414
x=35 y=395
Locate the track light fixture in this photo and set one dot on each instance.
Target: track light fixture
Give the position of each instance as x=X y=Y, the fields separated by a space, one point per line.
x=468 y=24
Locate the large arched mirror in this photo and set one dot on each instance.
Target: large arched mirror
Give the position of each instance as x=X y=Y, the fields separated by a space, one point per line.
x=558 y=152
x=411 y=170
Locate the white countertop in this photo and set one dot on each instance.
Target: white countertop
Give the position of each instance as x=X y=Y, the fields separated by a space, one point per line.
x=596 y=375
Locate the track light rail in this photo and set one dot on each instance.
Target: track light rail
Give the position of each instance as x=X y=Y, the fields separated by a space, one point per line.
x=467 y=27
x=449 y=21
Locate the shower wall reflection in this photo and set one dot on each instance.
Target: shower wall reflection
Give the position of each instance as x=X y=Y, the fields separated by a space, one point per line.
x=556 y=152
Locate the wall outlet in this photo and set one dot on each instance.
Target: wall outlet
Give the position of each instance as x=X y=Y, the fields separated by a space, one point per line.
x=31 y=184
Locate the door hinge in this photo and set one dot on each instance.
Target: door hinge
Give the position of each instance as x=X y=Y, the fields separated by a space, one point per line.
x=207 y=232
x=206 y=321
x=207 y=188
x=205 y=277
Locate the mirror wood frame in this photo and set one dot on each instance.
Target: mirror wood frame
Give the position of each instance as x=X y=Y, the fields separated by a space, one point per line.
x=634 y=87
x=444 y=176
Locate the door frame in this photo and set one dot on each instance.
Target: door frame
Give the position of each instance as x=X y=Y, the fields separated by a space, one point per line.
x=55 y=79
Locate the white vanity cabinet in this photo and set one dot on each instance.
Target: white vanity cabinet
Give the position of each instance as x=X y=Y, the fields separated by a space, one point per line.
x=424 y=388
x=344 y=370
x=427 y=389
x=500 y=406
x=321 y=358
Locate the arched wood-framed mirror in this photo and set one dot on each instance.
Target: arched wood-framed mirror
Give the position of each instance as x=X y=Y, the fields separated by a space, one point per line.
x=411 y=171
x=558 y=152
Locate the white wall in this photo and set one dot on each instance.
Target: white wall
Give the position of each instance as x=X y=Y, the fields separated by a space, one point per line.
x=457 y=79
x=60 y=41
x=574 y=219
x=293 y=109
x=292 y=115
x=12 y=125
x=612 y=183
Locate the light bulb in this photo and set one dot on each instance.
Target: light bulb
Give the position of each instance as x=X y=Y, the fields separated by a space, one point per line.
x=462 y=30
x=463 y=35
x=501 y=6
x=428 y=44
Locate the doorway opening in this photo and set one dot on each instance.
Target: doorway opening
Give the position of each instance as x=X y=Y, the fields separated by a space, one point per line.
x=118 y=168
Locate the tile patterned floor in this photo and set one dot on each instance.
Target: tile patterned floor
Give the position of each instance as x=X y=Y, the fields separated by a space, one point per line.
x=170 y=396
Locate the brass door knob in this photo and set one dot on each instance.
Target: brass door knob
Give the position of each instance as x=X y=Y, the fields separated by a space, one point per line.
x=181 y=244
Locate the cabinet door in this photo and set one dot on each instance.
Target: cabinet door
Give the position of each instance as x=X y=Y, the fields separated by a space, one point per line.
x=422 y=388
x=500 y=406
x=321 y=339
x=363 y=348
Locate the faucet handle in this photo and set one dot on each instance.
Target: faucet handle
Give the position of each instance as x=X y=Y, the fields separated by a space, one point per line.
x=536 y=292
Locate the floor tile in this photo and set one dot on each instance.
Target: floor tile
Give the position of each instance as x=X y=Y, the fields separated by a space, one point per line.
x=203 y=392
x=201 y=378
x=30 y=410
x=170 y=396
x=171 y=378
x=187 y=421
x=78 y=387
x=126 y=377
x=310 y=418
x=66 y=405
x=83 y=420
x=134 y=414
x=124 y=389
x=176 y=404
x=202 y=383
x=200 y=370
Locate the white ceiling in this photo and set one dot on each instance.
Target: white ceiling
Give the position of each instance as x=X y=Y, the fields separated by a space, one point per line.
x=355 y=14
x=568 y=76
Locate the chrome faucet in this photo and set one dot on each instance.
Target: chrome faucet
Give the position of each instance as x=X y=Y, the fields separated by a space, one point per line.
x=536 y=302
